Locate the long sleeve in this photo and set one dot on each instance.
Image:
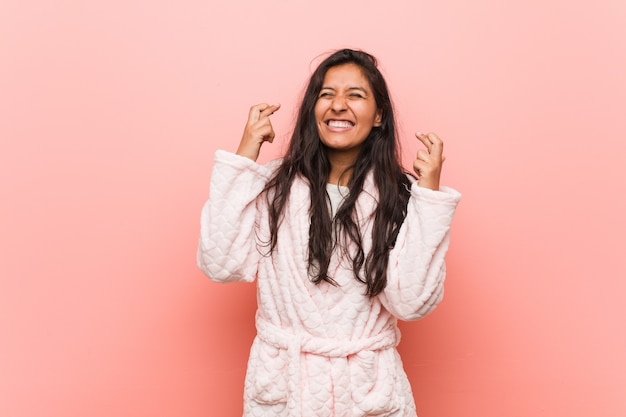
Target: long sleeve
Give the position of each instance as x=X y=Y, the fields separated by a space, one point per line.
x=417 y=269
x=227 y=249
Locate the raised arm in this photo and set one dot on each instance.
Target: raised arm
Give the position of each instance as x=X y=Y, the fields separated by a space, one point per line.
x=417 y=268
x=227 y=249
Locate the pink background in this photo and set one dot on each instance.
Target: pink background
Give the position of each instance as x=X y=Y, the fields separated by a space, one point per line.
x=109 y=116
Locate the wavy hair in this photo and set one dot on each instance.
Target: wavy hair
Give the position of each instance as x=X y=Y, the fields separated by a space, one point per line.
x=306 y=157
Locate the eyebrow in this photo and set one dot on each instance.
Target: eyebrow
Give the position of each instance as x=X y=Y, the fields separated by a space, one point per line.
x=349 y=89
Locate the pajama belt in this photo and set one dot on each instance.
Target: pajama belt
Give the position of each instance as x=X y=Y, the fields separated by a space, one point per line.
x=296 y=344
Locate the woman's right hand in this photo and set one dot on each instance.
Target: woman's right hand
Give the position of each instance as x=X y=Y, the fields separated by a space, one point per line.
x=258 y=130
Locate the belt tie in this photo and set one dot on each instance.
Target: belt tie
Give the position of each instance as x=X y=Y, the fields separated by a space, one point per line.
x=295 y=344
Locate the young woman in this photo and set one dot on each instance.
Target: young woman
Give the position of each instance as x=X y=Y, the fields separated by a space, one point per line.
x=341 y=240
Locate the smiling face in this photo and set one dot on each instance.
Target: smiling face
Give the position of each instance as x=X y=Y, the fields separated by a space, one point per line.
x=346 y=110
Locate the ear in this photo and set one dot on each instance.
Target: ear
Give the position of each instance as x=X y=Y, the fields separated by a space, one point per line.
x=378 y=120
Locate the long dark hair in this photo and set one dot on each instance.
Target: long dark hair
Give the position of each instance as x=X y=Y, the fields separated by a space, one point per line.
x=306 y=158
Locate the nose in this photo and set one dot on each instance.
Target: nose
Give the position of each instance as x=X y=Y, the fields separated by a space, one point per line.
x=339 y=103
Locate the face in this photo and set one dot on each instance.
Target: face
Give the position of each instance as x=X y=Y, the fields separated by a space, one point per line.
x=345 y=110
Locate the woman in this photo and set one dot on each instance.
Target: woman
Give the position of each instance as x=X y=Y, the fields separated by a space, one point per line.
x=342 y=241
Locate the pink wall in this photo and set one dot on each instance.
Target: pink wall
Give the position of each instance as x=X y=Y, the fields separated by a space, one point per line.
x=110 y=113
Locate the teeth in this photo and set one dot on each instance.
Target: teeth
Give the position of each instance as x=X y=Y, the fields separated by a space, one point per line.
x=339 y=123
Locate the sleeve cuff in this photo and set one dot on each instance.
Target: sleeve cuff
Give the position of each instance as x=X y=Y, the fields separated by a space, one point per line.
x=445 y=195
x=241 y=162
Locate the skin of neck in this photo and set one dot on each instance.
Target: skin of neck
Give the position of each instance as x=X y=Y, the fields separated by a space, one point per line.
x=341 y=164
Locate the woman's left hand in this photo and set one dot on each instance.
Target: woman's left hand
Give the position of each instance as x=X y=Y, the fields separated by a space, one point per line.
x=428 y=163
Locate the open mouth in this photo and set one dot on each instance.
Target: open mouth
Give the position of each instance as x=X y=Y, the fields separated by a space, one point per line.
x=339 y=124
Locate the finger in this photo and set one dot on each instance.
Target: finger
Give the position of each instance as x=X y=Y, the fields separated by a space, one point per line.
x=265 y=132
x=424 y=139
x=269 y=110
x=422 y=155
x=255 y=112
x=419 y=167
x=263 y=124
x=437 y=147
x=432 y=136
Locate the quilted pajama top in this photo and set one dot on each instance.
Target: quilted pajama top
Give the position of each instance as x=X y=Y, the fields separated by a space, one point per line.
x=322 y=350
